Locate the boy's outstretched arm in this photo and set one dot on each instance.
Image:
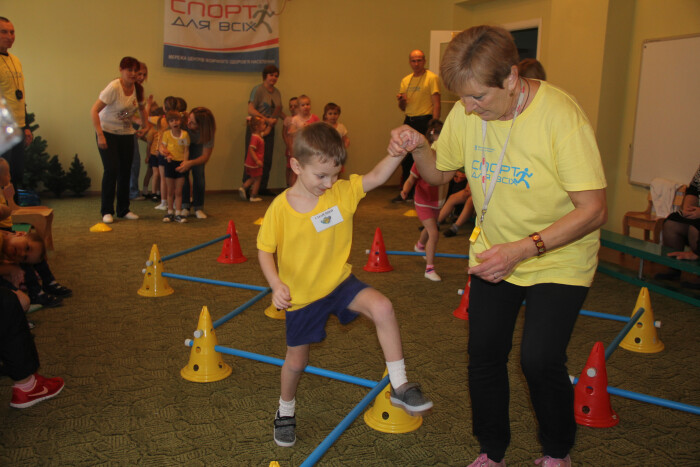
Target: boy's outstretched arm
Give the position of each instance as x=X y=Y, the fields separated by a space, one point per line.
x=381 y=172
x=405 y=139
x=281 y=297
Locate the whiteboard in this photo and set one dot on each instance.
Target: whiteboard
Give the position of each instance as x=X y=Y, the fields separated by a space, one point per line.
x=667 y=124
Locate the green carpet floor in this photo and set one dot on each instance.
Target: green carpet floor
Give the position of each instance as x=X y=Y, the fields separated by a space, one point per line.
x=120 y=353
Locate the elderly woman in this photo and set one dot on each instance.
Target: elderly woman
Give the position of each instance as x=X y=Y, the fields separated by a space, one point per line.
x=539 y=193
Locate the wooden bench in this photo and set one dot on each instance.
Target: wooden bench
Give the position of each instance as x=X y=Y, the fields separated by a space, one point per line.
x=651 y=252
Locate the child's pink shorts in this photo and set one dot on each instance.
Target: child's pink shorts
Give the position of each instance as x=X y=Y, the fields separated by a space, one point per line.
x=254 y=172
x=427 y=213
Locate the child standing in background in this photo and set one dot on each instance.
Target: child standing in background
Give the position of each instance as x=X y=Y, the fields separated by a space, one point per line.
x=175 y=147
x=161 y=124
x=331 y=114
x=254 y=158
x=303 y=118
x=427 y=201
x=288 y=139
x=313 y=283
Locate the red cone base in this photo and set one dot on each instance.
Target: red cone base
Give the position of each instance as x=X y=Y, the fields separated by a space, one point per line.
x=591 y=399
x=462 y=310
x=231 y=251
x=378 y=260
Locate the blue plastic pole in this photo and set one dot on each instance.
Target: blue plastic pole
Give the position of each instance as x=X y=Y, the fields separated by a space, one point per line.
x=194 y=248
x=596 y=314
x=241 y=308
x=415 y=253
x=694 y=409
x=343 y=425
x=214 y=282
x=309 y=369
x=613 y=345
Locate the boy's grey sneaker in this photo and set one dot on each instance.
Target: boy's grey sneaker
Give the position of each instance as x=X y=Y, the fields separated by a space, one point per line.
x=180 y=219
x=410 y=398
x=285 y=428
x=169 y=218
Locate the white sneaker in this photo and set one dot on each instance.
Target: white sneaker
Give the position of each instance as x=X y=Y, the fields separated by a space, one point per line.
x=433 y=276
x=184 y=213
x=242 y=194
x=254 y=199
x=200 y=214
x=131 y=216
x=163 y=206
x=107 y=219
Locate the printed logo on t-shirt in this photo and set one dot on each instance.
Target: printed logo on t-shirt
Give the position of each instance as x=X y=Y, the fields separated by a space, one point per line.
x=510 y=174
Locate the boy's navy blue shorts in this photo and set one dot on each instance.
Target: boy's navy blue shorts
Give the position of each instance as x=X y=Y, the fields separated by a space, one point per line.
x=162 y=160
x=170 y=171
x=153 y=161
x=308 y=324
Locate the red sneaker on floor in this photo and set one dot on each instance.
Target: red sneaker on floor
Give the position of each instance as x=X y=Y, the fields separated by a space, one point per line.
x=45 y=388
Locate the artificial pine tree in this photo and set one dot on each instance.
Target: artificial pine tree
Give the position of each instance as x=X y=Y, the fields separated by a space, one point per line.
x=55 y=177
x=36 y=159
x=76 y=178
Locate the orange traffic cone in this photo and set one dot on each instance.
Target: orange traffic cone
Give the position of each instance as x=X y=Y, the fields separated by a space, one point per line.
x=272 y=312
x=642 y=337
x=205 y=364
x=591 y=399
x=231 y=251
x=384 y=417
x=462 y=310
x=378 y=260
x=154 y=284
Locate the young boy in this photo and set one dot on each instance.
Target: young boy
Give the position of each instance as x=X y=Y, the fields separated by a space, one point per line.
x=313 y=283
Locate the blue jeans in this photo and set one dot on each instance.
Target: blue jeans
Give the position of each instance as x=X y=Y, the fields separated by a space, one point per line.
x=198 y=184
x=135 y=168
x=551 y=312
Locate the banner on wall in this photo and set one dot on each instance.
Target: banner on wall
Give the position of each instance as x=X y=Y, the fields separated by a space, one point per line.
x=221 y=35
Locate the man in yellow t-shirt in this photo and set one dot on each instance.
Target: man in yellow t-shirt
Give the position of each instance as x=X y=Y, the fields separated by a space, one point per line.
x=12 y=88
x=419 y=99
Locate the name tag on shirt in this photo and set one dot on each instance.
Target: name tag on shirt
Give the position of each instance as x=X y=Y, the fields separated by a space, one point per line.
x=327 y=218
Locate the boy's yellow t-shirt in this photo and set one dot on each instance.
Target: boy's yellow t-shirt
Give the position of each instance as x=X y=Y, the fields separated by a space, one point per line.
x=312 y=263
x=552 y=150
x=176 y=145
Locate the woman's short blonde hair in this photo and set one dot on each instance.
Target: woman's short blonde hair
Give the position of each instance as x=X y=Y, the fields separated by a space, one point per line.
x=485 y=54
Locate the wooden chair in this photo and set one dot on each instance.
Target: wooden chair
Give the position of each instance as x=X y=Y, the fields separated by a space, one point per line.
x=648 y=221
x=39 y=217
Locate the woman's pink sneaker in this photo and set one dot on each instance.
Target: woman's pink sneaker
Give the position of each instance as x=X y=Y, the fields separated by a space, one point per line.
x=484 y=461
x=548 y=461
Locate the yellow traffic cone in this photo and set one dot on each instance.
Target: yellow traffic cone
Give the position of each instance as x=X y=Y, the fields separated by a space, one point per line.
x=384 y=417
x=274 y=464
x=154 y=284
x=411 y=213
x=259 y=222
x=100 y=227
x=642 y=337
x=206 y=364
x=272 y=312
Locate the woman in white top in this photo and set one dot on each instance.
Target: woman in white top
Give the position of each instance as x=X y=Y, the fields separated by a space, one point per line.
x=112 y=117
